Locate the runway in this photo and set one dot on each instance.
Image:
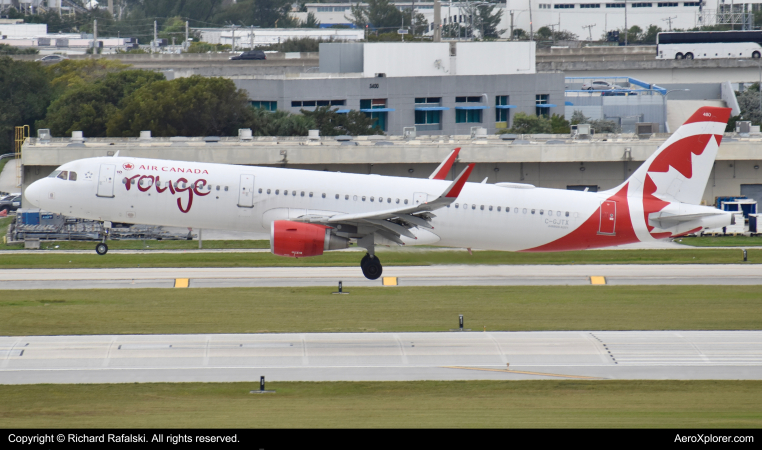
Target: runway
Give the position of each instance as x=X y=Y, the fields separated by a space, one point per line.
x=572 y=355
x=438 y=275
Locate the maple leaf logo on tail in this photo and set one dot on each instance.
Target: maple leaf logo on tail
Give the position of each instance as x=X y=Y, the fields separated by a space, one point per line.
x=679 y=170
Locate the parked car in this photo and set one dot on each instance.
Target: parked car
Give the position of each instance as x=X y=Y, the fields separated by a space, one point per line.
x=250 y=55
x=51 y=59
x=600 y=85
x=10 y=203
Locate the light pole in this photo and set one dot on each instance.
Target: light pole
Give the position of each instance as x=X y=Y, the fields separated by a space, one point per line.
x=664 y=102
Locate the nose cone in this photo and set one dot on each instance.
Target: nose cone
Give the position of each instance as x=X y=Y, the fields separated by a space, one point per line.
x=35 y=193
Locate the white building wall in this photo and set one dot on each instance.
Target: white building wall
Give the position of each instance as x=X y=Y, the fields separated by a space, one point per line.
x=267 y=36
x=23 y=30
x=397 y=59
x=495 y=58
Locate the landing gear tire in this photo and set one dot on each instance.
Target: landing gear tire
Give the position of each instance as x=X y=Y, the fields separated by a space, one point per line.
x=101 y=249
x=371 y=267
x=755 y=55
x=679 y=56
x=689 y=56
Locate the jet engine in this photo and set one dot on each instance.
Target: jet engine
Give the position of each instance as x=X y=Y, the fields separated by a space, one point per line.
x=298 y=239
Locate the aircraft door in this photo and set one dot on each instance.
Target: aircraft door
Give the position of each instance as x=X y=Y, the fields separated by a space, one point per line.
x=608 y=218
x=246 y=192
x=420 y=198
x=106 y=181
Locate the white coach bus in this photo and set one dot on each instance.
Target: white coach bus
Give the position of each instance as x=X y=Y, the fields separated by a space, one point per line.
x=709 y=44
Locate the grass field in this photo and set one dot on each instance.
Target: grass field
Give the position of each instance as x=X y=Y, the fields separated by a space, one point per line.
x=389 y=258
x=314 y=309
x=423 y=404
x=721 y=241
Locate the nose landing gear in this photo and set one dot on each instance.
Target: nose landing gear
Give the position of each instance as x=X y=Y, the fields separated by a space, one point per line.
x=371 y=267
x=101 y=248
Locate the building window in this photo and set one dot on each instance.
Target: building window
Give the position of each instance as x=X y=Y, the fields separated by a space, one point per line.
x=313 y=103
x=564 y=6
x=266 y=105
x=468 y=116
x=614 y=5
x=667 y=5
x=428 y=117
x=692 y=4
x=368 y=105
x=468 y=99
x=642 y=5
x=428 y=100
x=590 y=5
x=501 y=114
x=541 y=99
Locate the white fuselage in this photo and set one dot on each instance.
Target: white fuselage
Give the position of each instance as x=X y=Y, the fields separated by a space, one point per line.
x=247 y=198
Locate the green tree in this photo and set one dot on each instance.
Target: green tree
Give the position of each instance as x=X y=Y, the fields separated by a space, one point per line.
x=379 y=14
x=649 y=37
x=278 y=123
x=190 y=106
x=89 y=107
x=559 y=124
x=310 y=22
x=599 y=125
x=11 y=50
x=486 y=20
x=529 y=124
x=331 y=123
x=70 y=73
x=748 y=101
x=259 y=13
x=26 y=92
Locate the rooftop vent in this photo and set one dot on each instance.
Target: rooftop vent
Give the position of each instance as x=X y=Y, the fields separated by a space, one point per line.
x=478 y=132
x=43 y=134
x=343 y=138
x=145 y=135
x=314 y=135
x=244 y=134
x=508 y=136
x=409 y=132
x=212 y=139
x=77 y=137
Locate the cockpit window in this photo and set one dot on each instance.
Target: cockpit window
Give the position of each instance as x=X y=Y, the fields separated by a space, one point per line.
x=63 y=175
x=72 y=176
x=54 y=174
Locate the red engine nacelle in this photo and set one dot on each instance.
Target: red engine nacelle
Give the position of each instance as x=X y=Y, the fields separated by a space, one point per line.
x=298 y=239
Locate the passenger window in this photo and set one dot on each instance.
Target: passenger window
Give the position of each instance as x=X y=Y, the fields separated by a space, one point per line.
x=380 y=199
x=482 y=208
x=550 y=213
x=524 y=210
x=63 y=175
x=465 y=205
x=72 y=176
x=541 y=212
x=354 y=197
x=268 y=191
x=388 y=200
x=558 y=213
x=398 y=200
x=363 y=198
x=124 y=181
x=532 y=211
x=371 y=199
x=567 y=213
x=498 y=209
x=218 y=188
x=226 y=188
x=473 y=206
x=490 y=208
x=260 y=190
x=294 y=193
x=456 y=206
x=406 y=201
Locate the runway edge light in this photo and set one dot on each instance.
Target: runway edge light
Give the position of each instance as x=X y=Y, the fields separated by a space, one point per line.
x=341 y=289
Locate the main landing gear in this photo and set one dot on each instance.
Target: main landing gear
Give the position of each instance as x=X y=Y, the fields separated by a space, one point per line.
x=371 y=267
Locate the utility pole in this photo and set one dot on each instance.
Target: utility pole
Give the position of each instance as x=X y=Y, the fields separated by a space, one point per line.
x=412 y=18
x=437 y=21
x=95 y=36
x=155 y=36
x=186 y=34
x=626 y=30
x=511 y=25
x=531 y=31
x=251 y=38
x=669 y=20
x=589 y=30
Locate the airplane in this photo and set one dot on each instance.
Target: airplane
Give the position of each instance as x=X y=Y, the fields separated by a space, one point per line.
x=310 y=212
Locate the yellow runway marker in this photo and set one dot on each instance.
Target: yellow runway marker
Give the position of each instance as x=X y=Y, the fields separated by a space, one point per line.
x=389 y=281
x=181 y=282
x=597 y=280
x=579 y=377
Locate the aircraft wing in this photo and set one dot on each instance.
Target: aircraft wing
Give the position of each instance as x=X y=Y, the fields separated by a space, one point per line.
x=393 y=223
